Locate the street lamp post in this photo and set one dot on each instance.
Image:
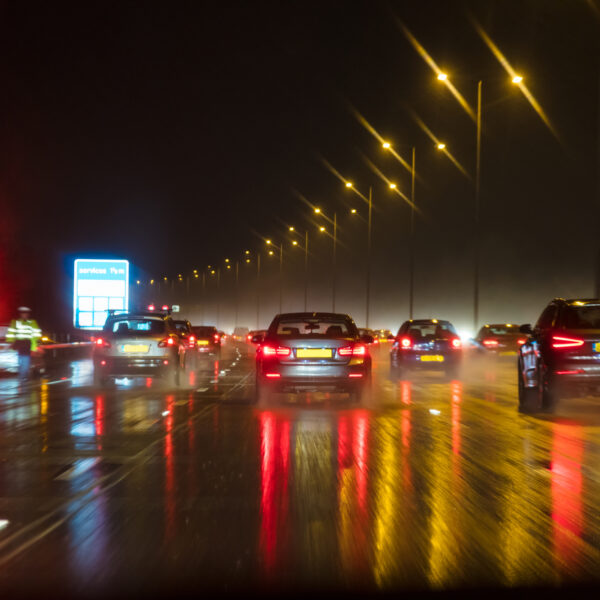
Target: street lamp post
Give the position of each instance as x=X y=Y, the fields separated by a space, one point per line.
x=280 y=250
x=292 y=229
x=258 y=290
x=334 y=254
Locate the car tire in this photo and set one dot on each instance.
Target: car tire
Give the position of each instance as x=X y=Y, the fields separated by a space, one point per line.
x=529 y=398
x=549 y=394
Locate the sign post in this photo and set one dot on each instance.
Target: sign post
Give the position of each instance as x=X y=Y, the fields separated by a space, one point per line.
x=100 y=285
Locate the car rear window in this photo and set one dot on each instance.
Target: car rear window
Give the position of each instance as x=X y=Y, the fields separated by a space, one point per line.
x=326 y=328
x=500 y=330
x=429 y=330
x=201 y=331
x=137 y=327
x=181 y=326
x=582 y=317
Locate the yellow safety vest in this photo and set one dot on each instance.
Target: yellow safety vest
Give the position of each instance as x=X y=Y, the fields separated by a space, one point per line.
x=24 y=330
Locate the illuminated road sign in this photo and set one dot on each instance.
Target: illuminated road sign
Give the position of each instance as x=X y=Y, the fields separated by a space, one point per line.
x=100 y=285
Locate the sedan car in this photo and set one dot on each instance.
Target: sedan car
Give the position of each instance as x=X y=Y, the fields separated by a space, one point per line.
x=426 y=343
x=311 y=352
x=138 y=344
x=499 y=340
x=561 y=355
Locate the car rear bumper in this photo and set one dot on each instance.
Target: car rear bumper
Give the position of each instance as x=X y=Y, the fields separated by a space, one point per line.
x=130 y=366
x=416 y=360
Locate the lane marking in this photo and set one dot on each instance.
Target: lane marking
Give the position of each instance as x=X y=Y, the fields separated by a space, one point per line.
x=204 y=389
x=78 y=468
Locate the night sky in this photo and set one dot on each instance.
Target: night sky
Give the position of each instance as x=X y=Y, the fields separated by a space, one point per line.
x=168 y=133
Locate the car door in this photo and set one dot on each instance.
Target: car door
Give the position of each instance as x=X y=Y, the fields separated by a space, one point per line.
x=532 y=351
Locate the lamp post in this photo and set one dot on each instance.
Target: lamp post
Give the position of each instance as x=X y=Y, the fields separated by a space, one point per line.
x=280 y=250
x=292 y=229
x=334 y=254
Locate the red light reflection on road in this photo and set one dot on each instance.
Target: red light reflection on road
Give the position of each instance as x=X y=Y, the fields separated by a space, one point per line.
x=456 y=388
x=274 y=448
x=169 y=473
x=216 y=375
x=359 y=449
x=405 y=392
x=567 y=485
x=99 y=418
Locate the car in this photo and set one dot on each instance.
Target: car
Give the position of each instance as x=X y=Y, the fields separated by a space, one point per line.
x=499 y=339
x=240 y=333
x=254 y=334
x=313 y=351
x=208 y=339
x=385 y=335
x=363 y=331
x=561 y=355
x=426 y=343
x=133 y=344
x=184 y=328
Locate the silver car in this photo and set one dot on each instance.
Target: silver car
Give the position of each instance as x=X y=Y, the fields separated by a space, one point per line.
x=138 y=345
x=313 y=352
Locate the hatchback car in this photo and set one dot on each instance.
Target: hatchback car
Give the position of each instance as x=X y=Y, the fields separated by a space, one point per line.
x=561 y=355
x=313 y=352
x=138 y=344
x=208 y=339
x=426 y=343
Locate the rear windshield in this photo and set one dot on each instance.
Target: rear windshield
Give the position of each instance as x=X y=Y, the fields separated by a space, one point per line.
x=137 y=327
x=582 y=317
x=181 y=326
x=326 y=328
x=500 y=330
x=428 y=330
x=201 y=331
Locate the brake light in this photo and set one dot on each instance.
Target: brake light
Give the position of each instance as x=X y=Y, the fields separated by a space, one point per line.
x=216 y=337
x=165 y=307
x=358 y=350
x=151 y=307
x=490 y=343
x=521 y=341
x=192 y=341
x=166 y=342
x=279 y=351
x=249 y=338
x=405 y=343
x=272 y=375
x=355 y=375
x=102 y=343
x=566 y=342
x=456 y=343
x=573 y=372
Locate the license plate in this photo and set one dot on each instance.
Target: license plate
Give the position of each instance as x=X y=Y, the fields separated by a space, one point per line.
x=135 y=348
x=313 y=353
x=596 y=346
x=202 y=342
x=431 y=358
x=508 y=353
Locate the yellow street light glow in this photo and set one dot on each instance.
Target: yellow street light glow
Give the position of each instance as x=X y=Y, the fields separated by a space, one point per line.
x=195 y=270
x=247 y=260
x=270 y=252
x=442 y=76
x=209 y=267
x=196 y=275
x=229 y=266
x=291 y=229
x=321 y=228
x=294 y=243
x=348 y=184
x=138 y=282
x=393 y=186
x=226 y=260
x=247 y=252
x=268 y=241
x=353 y=211
x=212 y=272
x=179 y=275
x=441 y=146
x=152 y=282
x=317 y=211
x=386 y=145
x=165 y=278
x=517 y=79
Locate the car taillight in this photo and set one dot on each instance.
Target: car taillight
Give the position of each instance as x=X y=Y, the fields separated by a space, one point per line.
x=249 y=338
x=165 y=307
x=102 y=343
x=559 y=342
x=151 y=307
x=521 y=341
x=166 y=342
x=216 y=337
x=279 y=351
x=490 y=343
x=357 y=350
x=456 y=343
x=405 y=343
x=192 y=340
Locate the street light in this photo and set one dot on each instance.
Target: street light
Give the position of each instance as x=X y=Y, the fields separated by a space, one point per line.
x=441 y=146
x=386 y=145
x=348 y=184
x=353 y=211
x=280 y=250
x=295 y=243
x=393 y=186
x=442 y=76
x=333 y=256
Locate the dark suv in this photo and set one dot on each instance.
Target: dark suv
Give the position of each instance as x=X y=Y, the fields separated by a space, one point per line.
x=561 y=355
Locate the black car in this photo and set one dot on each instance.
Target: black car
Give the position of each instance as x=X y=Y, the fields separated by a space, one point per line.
x=502 y=339
x=313 y=352
x=208 y=339
x=426 y=343
x=561 y=355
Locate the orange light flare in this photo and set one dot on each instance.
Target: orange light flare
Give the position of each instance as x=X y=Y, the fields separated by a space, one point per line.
x=385 y=144
x=347 y=183
x=515 y=77
x=439 y=144
x=440 y=74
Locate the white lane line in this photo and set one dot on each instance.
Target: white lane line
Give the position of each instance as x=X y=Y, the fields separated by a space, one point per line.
x=78 y=468
x=60 y=381
x=205 y=389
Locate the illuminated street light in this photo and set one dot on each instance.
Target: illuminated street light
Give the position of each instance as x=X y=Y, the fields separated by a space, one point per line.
x=247 y=252
x=294 y=243
x=291 y=229
x=152 y=282
x=353 y=211
x=348 y=184
x=212 y=272
x=247 y=260
x=270 y=252
x=226 y=260
x=268 y=241
x=441 y=146
x=517 y=79
x=317 y=211
x=442 y=76
x=393 y=186
x=196 y=275
x=386 y=145
x=229 y=266
x=165 y=279
x=320 y=229
x=138 y=282
x=195 y=270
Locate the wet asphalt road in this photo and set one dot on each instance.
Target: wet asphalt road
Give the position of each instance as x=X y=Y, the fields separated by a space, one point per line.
x=431 y=483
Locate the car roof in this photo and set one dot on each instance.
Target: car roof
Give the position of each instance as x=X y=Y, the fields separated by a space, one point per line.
x=501 y=325
x=579 y=301
x=137 y=315
x=313 y=315
x=426 y=321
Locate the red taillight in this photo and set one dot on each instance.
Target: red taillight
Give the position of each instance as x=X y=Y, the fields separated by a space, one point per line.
x=559 y=342
x=357 y=350
x=192 y=340
x=456 y=343
x=166 y=342
x=165 y=307
x=279 y=351
x=102 y=343
x=272 y=375
x=355 y=375
x=521 y=341
x=151 y=307
x=490 y=343
x=405 y=343
x=573 y=372
x=249 y=338
x=216 y=337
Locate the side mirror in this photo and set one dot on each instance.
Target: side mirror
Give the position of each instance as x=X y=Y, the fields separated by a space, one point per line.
x=257 y=339
x=526 y=329
x=367 y=339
